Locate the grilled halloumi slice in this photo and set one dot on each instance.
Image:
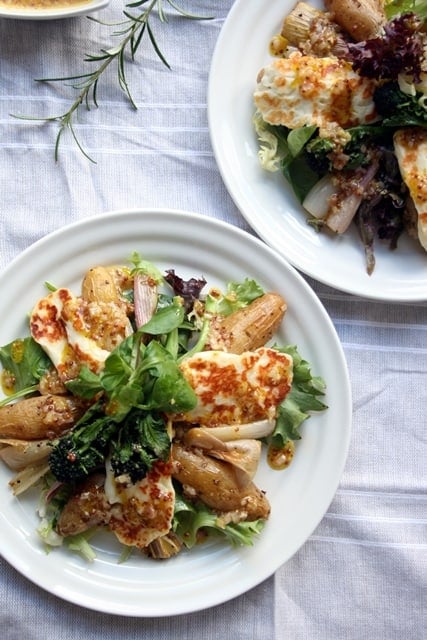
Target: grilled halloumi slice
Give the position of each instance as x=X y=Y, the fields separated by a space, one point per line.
x=305 y=90
x=410 y=147
x=49 y=331
x=236 y=389
x=58 y=324
x=136 y=513
x=141 y=512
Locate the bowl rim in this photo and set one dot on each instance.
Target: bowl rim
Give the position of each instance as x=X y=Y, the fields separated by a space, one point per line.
x=51 y=13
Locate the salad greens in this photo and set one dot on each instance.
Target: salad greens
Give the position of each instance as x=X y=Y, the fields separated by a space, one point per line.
x=141 y=441
x=192 y=520
x=137 y=375
x=140 y=385
x=305 y=396
x=399 y=49
x=307 y=157
x=24 y=363
x=395 y=7
x=237 y=296
x=83 y=449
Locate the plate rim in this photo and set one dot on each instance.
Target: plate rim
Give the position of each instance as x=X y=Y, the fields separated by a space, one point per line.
x=50 y=13
x=245 y=237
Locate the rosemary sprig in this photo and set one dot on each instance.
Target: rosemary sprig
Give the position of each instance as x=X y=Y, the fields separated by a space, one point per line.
x=131 y=31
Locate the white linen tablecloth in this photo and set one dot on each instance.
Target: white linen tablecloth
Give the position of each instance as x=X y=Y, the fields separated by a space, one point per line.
x=362 y=574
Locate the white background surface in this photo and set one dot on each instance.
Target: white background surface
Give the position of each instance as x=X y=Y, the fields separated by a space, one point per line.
x=363 y=571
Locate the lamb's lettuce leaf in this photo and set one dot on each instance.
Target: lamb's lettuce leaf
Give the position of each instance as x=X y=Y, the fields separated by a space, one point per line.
x=137 y=375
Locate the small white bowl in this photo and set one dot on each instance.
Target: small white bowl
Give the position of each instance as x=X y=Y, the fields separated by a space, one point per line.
x=52 y=13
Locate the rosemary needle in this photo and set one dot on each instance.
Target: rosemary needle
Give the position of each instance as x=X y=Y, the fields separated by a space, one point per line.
x=131 y=32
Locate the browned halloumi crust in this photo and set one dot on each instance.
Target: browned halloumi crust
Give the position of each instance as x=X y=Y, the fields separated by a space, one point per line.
x=306 y=90
x=236 y=389
x=410 y=146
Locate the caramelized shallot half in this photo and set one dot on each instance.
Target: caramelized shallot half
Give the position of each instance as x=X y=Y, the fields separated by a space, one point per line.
x=145 y=298
x=229 y=432
x=27 y=477
x=336 y=198
x=243 y=455
x=29 y=458
x=311 y=30
x=18 y=454
x=164 y=547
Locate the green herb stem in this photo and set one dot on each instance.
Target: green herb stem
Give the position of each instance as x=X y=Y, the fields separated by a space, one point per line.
x=131 y=32
x=19 y=394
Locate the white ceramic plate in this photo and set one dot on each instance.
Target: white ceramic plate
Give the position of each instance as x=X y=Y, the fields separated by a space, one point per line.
x=52 y=13
x=213 y=573
x=265 y=199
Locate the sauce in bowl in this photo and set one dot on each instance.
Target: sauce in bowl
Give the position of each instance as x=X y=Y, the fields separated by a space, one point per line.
x=40 y=4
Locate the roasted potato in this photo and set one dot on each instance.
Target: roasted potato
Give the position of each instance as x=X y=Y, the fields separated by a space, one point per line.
x=99 y=286
x=88 y=507
x=41 y=417
x=361 y=19
x=249 y=328
x=214 y=482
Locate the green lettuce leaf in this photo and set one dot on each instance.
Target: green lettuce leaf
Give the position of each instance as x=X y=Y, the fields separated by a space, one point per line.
x=24 y=362
x=236 y=296
x=304 y=397
x=394 y=7
x=192 y=522
x=165 y=320
x=145 y=267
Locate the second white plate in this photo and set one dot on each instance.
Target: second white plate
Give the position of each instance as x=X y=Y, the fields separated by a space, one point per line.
x=265 y=199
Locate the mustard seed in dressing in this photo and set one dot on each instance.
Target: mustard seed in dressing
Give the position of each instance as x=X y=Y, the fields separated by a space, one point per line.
x=281 y=458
